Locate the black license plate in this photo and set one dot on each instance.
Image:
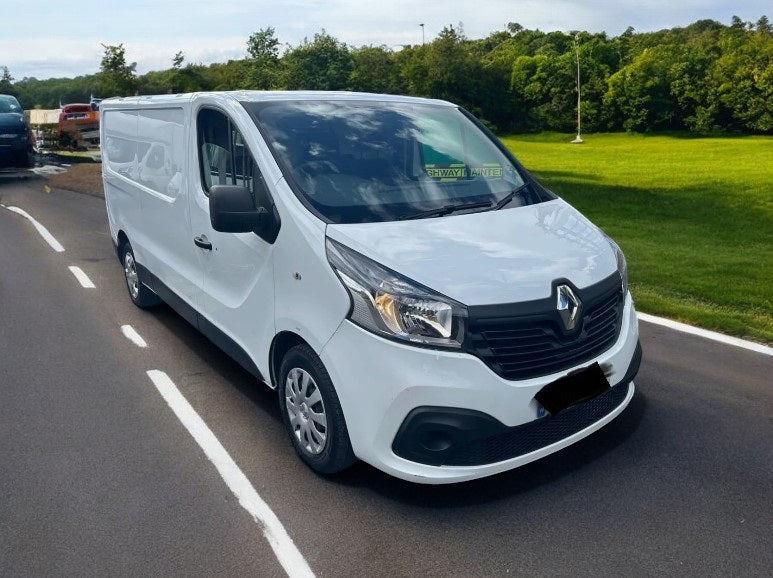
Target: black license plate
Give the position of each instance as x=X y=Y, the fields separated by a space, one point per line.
x=572 y=389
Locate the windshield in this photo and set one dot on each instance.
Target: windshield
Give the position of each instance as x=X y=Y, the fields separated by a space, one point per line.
x=358 y=162
x=9 y=104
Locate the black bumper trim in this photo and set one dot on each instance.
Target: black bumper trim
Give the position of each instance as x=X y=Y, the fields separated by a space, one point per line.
x=462 y=437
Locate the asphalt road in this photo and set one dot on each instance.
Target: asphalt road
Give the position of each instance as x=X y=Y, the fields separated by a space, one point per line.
x=98 y=476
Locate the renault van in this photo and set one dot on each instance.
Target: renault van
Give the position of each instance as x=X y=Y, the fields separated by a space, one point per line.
x=417 y=299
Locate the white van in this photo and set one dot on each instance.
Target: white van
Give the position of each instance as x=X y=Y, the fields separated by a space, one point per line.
x=418 y=300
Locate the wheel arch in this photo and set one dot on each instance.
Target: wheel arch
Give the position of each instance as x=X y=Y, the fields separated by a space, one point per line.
x=122 y=239
x=280 y=345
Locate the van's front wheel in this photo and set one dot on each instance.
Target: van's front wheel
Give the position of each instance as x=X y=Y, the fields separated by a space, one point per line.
x=312 y=413
x=140 y=295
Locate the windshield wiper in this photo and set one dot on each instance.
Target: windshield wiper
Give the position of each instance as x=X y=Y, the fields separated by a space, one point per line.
x=508 y=197
x=445 y=210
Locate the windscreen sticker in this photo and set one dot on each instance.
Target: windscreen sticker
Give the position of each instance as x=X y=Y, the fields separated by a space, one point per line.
x=487 y=171
x=452 y=172
x=446 y=172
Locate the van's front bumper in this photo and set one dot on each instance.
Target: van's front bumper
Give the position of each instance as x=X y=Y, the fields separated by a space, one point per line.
x=390 y=391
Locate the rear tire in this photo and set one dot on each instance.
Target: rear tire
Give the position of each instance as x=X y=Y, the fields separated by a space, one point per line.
x=312 y=413
x=140 y=294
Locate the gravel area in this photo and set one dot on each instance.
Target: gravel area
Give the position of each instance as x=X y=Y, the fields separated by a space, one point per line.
x=81 y=178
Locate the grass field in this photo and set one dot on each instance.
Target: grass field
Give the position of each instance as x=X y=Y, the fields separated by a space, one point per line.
x=694 y=217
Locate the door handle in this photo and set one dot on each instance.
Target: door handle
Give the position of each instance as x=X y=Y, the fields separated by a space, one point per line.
x=203 y=242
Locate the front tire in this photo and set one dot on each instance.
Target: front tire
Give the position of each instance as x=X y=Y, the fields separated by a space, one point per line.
x=140 y=294
x=312 y=413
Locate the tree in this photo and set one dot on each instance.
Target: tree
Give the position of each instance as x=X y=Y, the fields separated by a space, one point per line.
x=639 y=96
x=263 y=45
x=263 y=50
x=375 y=70
x=323 y=64
x=177 y=60
x=763 y=25
x=742 y=80
x=116 y=77
x=175 y=78
x=449 y=70
x=527 y=90
x=412 y=63
x=6 y=81
x=703 y=77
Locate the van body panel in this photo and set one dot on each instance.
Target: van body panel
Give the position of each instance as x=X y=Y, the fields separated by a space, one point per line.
x=147 y=166
x=310 y=300
x=237 y=288
x=164 y=207
x=489 y=257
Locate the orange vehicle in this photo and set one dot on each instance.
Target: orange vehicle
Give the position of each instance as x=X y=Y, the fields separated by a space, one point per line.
x=78 y=124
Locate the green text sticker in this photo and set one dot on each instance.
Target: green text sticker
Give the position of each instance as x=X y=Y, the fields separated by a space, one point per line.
x=487 y=171
x=446 y=172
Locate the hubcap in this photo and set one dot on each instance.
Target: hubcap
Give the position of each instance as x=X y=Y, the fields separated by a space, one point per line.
x=132 y=279
x=306 y=410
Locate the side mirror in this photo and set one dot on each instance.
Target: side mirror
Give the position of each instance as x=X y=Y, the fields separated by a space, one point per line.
x=231 y=210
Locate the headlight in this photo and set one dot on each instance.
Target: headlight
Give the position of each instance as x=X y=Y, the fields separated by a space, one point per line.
x=622 y=266
x=392 y=305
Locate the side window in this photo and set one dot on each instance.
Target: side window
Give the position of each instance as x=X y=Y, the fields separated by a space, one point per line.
x=223 y=155
x=146 y=147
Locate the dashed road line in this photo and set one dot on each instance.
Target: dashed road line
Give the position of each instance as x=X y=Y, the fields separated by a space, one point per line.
x=49 y=238
x=713 y=335
x=283 y=546
x=132 y=335
x=82 y=278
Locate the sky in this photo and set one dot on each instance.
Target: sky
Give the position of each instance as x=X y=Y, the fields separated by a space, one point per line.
x=45 y=39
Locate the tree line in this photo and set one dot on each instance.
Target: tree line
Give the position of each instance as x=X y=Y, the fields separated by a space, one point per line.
x=704 y=77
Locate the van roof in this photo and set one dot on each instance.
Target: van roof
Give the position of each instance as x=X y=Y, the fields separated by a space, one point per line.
x=266 y=96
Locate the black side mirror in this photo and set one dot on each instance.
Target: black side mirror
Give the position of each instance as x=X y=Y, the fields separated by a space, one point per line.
x=232 y=210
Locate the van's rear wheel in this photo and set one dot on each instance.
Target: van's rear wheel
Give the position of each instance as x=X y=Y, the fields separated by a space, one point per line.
x=140 y=295
x=312 y=413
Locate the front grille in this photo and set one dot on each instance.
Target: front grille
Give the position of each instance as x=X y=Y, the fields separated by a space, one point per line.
x=13 y=131
x=525 y=340
x=537 y=434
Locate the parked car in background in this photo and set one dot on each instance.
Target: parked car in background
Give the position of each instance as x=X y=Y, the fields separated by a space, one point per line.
x=16 y=140
x=78 y=124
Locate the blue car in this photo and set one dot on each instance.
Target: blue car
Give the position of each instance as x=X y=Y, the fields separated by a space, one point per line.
x=15 y=140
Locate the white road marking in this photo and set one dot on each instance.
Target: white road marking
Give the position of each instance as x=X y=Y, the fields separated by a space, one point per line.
x=713 y=335
x=284 y=548
x=82 y=278
x=133 y=336
x=49 y=238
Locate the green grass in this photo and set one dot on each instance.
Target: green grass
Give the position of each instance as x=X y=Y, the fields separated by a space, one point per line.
x=694 y=217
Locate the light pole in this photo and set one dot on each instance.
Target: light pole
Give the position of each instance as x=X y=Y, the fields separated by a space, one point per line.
x=422 y=33
x=578 y=138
